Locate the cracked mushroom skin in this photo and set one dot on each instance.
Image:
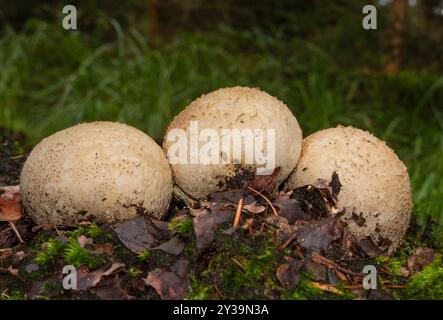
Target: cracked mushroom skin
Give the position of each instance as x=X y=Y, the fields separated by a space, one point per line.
x=98 y=171
x=229 y=109
x=376 y=191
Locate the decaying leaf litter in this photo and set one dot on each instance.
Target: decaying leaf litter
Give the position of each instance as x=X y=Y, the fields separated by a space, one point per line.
x=295 y=245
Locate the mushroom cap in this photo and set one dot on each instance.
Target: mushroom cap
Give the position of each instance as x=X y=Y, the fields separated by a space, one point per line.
x=234 y=108
x=375 y=182
x=101 y=171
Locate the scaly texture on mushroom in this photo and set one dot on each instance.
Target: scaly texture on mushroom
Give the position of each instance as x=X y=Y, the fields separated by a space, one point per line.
x=100 y=171
x=376 y=191
x=234 y=108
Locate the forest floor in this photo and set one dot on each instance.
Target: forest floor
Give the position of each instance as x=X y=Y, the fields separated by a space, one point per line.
x=250 y=242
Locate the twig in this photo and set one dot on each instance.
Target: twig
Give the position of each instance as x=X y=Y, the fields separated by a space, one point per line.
x=289 y=241
x=325 y=287
x=238 y=263
x=16 y=232
x=5 y=250
x=266 y=199
x=394 y=286
x=238 y=213
x=332 y=265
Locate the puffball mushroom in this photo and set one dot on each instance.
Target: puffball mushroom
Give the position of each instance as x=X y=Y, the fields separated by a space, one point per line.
x=101 y=171
x=218 y=117
x=376 y=191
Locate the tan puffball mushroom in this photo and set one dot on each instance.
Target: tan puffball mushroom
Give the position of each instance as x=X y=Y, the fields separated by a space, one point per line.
x=99 y=171
x=376 y=190
x=226 y=110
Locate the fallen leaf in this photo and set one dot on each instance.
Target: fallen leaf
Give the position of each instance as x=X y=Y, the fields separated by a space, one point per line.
x=105 y=248
x=111 y=289
x=265 y=182
x=10 y=209
x=231 y=197
x=170 y=285
x=289 y=273
x=254 y=208
x=205 y=223
x=134 y=235
x=87 y=280
x=317 y=271
x=290 y=209
x=369 y=248
x=318 y=235
x=175 y=246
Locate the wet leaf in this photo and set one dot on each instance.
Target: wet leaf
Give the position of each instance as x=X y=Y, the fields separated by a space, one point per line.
x=87 y=280
x=231 y=197
x=318 y=235
x=134 y=235
x=170 y=285
x=111 y=289
x=205 y=223
x=174 y=246
x=289 y=273
x=290 y=209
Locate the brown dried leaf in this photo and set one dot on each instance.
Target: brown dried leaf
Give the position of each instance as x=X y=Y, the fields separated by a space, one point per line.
x=289 y=273
x=290 y=209
x=87 y=280
x=265 y=182
x=10 y=209
x=318 y=235
x=170 y=285
x=111 y=289
x=175 y=246
x=134 y=235
x=205 y=223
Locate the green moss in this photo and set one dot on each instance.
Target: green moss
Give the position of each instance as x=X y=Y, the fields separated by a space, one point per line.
x=182 y=226
x=53 y=249
x=135 y=272
x=144 y=255
x=427 y=284
x=199 y=291
x=14 y=295
x=304 y=290
x=94 y=231
x=76 y=255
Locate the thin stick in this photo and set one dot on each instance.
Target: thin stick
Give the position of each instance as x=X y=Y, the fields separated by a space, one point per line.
x=238 y=263
x=238 y=213
x=289 y=241
x=325 y=287
x=16 y=232
x=266 y=199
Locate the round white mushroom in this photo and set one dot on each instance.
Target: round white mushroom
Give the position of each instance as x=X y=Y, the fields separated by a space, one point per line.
x=100 y=171
x=376 y=191
x=250 y=111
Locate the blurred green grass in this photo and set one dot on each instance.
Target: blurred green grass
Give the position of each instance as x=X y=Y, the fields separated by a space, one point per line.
x=51 y=79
